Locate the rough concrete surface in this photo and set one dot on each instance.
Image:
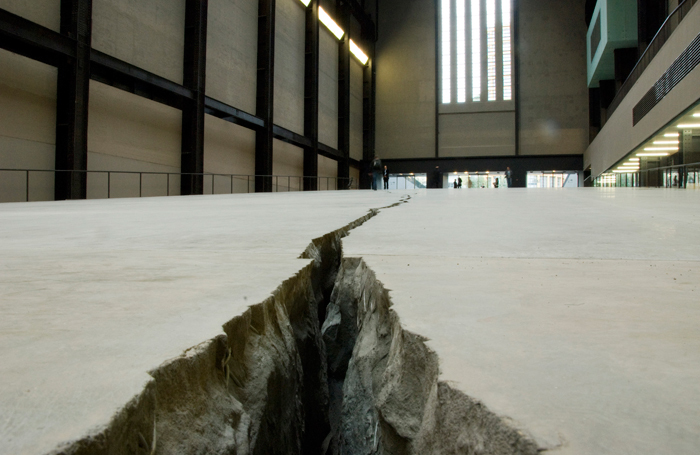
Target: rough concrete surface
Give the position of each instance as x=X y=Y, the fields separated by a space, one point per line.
x=573 y=314
x=448 y=322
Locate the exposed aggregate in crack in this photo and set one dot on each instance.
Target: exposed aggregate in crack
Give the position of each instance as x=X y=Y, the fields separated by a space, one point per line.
x=322 y=366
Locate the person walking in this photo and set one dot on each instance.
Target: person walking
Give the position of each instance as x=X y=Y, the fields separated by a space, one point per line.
x=509 y=177
x=376 y=168
x=386 y=178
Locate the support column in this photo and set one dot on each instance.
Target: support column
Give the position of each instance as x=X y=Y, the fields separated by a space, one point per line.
x=265 y=95
x=311 y=96
x=343 y=14
x=369 y=90
x=73 y=90
x=194 y=77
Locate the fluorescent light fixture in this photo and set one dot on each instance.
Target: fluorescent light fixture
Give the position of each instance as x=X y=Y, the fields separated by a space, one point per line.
x=623 y=172
x=672 y=134
x=696 y=114
x=357 y=52
x=306 y=2
x=652 y=154
x=330 y=23
x=659 y=149
x=633 y=159
x=665 y=142
x=688 y=125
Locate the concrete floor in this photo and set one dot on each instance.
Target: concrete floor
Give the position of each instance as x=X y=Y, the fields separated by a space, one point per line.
x=574 y=313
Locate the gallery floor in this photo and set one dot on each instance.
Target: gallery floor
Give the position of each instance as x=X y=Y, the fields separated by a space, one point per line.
x=571 y=314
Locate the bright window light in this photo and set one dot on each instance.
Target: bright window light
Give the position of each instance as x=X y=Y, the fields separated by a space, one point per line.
x=507 y=66
x=665 y=142
x=476 y=51
x=491 y=48
x=659 y=149
x=461 y=44
x=306 y=2
x=672 y=134
x=446 y=53
x=357 y=52
x=688 y=125
x=652 y=154
x=330 y=23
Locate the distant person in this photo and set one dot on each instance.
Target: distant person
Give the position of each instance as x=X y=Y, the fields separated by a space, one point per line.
x=459 y=182
x=509 y=177
x=454 y=184
x=495 y=183
x=386 y=178
x=470 y=184
x=376 y=168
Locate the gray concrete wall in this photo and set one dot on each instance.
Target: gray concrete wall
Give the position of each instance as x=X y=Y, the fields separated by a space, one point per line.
x=290 y=32
x=618 y=137
x=43 y=12
x=405 y=116
x=232 y=52
x=553 y=91
x=130 y=133
x=328 y=89
x=148 y=34
x=27 y=126
x=356 y=107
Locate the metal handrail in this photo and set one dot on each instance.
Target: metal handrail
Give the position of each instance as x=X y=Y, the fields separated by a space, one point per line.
x=667 y=28
x=346 y=182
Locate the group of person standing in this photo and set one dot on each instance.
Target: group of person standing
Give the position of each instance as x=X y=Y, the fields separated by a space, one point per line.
x=379 y=172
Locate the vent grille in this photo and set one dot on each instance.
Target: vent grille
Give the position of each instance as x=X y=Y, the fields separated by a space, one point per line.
x=684 y=64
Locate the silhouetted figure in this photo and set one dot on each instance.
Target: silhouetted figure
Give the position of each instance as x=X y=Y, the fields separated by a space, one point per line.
x=509 y=177
x=376 y=168
x=386 y=178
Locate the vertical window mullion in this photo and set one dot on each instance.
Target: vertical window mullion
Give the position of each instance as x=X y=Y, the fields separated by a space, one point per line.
x=499 y=51
x=484 y=52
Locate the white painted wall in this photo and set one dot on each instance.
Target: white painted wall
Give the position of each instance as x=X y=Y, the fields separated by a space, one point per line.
x=618 y=137
x=43 y=12
x=232 y=52
x=27 y=126
x=290 y=32
x=149 y=34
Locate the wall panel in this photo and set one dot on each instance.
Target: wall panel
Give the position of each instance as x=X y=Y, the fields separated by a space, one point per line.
x=288 y=160
x=228 y=149
x=553 y=91
x=356 y=107
x=130 y=133
x=43 y=12
x=477 y=134
x=290 y=32
x=148 y=34
x=405 y=118
x=328 y=89
x=27 y=126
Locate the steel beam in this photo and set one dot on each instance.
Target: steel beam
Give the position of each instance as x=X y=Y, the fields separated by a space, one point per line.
x=343 y=18
x=194 y=77
x=31 y=40
x=73 y=89
x=265 y=95
x=369 y=90
x=311 y=58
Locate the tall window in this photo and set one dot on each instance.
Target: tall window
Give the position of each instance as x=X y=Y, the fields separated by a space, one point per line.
x=476 y=45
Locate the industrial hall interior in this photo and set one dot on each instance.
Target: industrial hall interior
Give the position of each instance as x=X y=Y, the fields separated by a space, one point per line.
x=349 y=227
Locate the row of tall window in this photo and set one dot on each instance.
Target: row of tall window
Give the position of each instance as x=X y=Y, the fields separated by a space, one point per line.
x=476 y=50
